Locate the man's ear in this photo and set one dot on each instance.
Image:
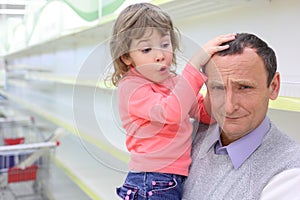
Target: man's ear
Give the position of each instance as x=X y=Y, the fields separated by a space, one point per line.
x=275 y=86
x=126 y=59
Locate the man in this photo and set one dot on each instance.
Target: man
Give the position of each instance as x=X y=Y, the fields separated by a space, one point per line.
x=244 y=155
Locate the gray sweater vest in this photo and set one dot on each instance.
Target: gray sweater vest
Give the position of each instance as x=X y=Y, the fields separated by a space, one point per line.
x=212 y=177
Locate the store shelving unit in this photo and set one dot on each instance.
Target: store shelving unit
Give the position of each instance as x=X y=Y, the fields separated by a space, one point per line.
x=93 y=153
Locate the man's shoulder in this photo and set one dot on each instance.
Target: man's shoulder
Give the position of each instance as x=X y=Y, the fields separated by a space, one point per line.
x=280 y=148
x=281 y=139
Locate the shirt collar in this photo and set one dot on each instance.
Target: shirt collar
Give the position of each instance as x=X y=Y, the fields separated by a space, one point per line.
x=241 y=149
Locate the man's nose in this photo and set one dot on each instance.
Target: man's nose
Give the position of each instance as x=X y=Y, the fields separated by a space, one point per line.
x=231 y=102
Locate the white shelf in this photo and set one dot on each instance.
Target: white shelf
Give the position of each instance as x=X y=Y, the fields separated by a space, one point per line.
x=178 y=9
x=89 y=159
x=67 y=79
x=61 y=186
x=63 y=117
x=96 y=33
x=96 y=177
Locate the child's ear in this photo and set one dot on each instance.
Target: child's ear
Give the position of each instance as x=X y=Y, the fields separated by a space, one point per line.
x=126 y=59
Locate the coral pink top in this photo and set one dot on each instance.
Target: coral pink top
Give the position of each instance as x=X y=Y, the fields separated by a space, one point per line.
x=156 y=118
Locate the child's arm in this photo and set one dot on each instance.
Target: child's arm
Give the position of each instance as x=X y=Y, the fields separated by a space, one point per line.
x=211 y=47
x=201 y=110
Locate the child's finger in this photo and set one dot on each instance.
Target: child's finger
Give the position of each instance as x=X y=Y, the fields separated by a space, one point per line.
x=215 y=49
x=224 y=38
x=221 y=48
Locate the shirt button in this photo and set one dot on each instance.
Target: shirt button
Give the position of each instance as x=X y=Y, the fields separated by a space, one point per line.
x=150 y=193
x=129 y=192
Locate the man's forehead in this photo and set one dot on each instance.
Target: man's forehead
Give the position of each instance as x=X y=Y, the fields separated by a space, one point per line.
x=237 y=65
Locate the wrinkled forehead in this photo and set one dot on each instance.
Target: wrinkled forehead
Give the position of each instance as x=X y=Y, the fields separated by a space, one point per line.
x=243 y=67
x=248 y=60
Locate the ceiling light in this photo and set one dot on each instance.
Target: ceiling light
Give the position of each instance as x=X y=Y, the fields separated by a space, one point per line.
x=14 y=2
x=12 y=11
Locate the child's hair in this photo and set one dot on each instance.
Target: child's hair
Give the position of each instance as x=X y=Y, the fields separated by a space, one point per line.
x=131 y=24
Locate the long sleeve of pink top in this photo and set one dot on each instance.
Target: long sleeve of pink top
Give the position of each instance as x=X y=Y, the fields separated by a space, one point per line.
x=156 y=118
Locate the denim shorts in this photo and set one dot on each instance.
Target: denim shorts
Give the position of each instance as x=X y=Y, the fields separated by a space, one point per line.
x=151 y=186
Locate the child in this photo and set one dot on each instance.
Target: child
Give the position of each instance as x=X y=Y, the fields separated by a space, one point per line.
x=155 y=104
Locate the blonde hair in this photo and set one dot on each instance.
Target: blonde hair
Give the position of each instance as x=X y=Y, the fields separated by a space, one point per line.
x=131 y=24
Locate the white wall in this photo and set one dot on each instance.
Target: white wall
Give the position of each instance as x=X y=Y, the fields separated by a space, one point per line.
x=277 y=22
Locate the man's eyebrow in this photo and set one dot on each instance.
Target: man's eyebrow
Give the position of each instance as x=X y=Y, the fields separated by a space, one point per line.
x=243 y=82
x=237 y=81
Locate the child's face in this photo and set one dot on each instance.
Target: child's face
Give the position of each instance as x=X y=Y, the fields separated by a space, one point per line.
x=151 y=55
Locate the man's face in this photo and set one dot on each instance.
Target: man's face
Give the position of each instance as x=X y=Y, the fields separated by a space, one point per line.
x=237 y=85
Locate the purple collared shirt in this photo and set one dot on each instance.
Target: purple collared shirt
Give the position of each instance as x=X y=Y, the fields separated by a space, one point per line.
x=241 y=149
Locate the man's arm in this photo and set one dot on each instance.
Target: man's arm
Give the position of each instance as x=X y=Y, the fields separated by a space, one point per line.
x=284 y=186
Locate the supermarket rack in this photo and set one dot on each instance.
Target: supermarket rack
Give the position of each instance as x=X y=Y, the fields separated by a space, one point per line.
x=24 y=159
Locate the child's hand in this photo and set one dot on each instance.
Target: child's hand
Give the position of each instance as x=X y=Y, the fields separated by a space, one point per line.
x=209 y=49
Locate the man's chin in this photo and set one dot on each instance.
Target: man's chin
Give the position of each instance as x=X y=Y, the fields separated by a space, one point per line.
x=231 y=129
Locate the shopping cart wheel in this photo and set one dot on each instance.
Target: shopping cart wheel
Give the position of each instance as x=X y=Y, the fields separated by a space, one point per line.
x=37 y=187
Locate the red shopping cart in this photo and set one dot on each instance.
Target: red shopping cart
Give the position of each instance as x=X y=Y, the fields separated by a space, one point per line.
x=14 y=130
x=24 y=168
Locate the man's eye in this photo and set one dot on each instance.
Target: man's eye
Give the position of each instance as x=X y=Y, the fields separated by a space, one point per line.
x=146 y=50
x=244 y=87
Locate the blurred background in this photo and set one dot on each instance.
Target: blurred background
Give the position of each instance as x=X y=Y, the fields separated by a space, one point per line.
x=54 y=59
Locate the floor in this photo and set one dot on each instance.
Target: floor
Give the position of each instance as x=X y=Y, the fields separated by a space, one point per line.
x=57 y=187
